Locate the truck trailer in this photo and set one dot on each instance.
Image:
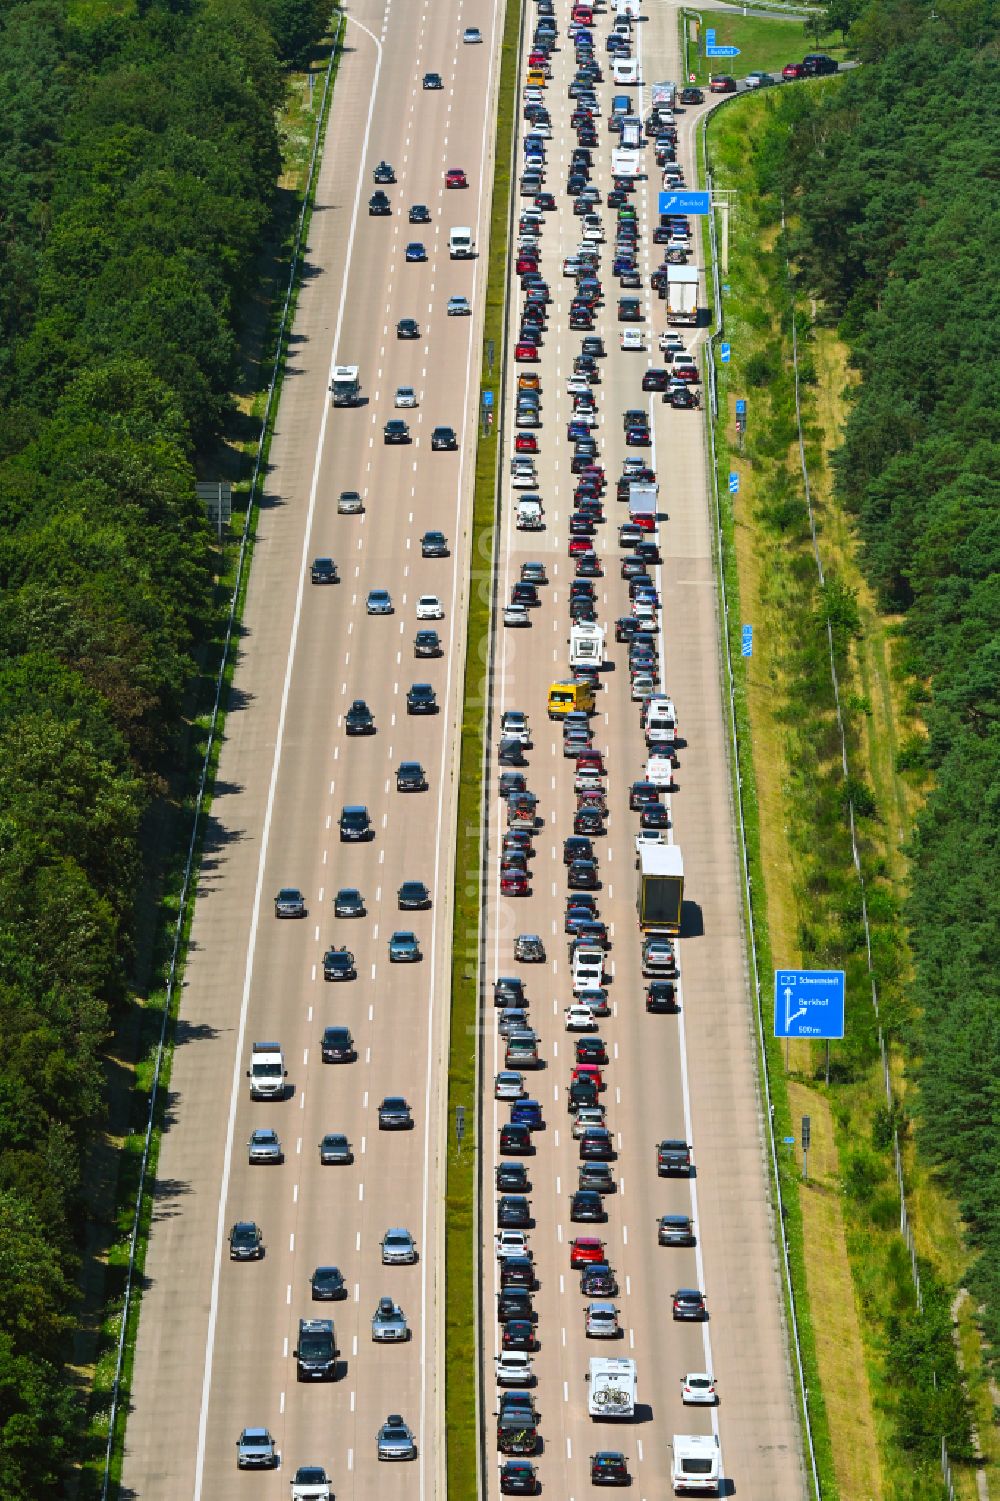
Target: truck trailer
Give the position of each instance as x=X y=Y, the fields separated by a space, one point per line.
x=661 y=889
x=682 y=294
x=694 y=1470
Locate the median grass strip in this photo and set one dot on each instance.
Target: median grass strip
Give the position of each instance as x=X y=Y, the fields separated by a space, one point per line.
x=461 y=1290
x=262 y=350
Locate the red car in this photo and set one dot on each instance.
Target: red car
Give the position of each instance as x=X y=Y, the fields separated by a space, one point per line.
x=585 y=1250
x=593 y=760
x=525 y=443
x=588 y=1071
x=513 y=883
x=793 y=70
x=645 y=523
x=526 y=263
x=579 y=545
x=455 y=178
x=525 y=352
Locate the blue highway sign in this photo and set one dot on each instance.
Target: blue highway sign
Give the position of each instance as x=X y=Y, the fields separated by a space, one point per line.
x=741 y=406
x=709 y=36
x=685 y=203
x=746 y=641
x=725 y=351
x=722 y=52
x=734 y=483
x=809 y=1003
x=487 y=398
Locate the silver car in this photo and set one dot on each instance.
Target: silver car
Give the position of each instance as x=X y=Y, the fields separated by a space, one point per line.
x=398 y=1248
x=395 y=1439
x=516 y=615
x=389 y=1324
x=601 y=1321
x=264 y=1146
x=508 y=1085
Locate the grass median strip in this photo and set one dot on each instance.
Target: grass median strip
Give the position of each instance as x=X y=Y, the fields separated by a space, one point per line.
x=460 y=1280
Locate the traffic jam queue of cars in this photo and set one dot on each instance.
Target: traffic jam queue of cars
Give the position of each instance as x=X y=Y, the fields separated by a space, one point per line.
x=588 y=1014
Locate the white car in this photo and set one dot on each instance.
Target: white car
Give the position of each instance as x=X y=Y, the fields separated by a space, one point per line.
x=577 y=386
x=645 y=613
x=585 y=413
x=543 y=130
x=511 y=1243
x=471 y=35
x=310 y=1483
x=601 y=1321
x=524 y=479
x=514 y=1368
x=642 y=687
x=458 y=307
x=587 y=1115
x=508 y=1085
x=671 y=343
x=580 y=1019
x=405 y=396
x=514 y=726
x=699 y=1389
x=516 y=615
x=429 y=608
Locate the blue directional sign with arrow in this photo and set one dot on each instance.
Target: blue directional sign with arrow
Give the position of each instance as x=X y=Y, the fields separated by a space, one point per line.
x=809 y=1003
x=722 y=52
x=689 y=202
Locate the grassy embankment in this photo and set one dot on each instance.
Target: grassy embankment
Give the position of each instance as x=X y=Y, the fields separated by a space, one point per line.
x=872 y=1351
x=169 y=825
x=766 y=44
x=461 y=1289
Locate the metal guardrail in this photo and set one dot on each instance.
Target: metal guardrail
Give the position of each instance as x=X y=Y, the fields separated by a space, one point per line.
x=189 y=864
x=712 y=414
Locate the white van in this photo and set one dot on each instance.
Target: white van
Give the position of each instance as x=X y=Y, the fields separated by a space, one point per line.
x=530 y=516
x=461 y=246
x=588 y=970
x=661 y=722
x=625 y=70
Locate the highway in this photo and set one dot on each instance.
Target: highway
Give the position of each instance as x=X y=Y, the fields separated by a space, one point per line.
x=689 y=1075
x=216 y=1336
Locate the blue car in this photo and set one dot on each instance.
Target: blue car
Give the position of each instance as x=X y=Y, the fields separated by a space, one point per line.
x=415 y=251
x=526 y=1113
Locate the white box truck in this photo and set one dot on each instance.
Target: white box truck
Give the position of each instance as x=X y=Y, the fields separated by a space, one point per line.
x=641 y=500
x=625 y=163
x=611 y=1391
x=682 y=294
x=664 y=95
x=530 y=517
x=267 y=1072
x=586 y=644
x=631 y=134
x=625 y=70
x=461 y=246
x=695 y=1467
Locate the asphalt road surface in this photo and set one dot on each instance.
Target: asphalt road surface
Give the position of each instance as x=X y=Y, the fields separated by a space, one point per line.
x=215 y=1336
x=691 y=1075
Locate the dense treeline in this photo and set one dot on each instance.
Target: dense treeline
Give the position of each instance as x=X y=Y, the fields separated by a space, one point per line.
x=894 y=176
x=138 y=164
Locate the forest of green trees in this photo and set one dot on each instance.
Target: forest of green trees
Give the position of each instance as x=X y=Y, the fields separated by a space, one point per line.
x=138 y=168
x=894 y=177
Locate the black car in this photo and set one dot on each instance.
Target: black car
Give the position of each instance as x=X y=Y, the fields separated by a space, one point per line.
x=641 y=794
x=359 y=719
x=609 y=1467
x=596 y=1176
x=692 y=96
x=396 y=431
x=673 y=1157
x=413 y=896
x=328 y=1285
x=420 y=214
x=688 y=1304
x=818 y=65
x=587 y=1207
x=517 y=1271
x=443 y=438
x=407 y=328
x=518 y=1478
x=518 y=1334
x=515 y=1303
x=324 y=571
x=577 y=847
x=378 y=205
x=596 y=1145
x=583 y=875
x=512 y=1177
x=516 y=1140
x=591 y=1049
x=581 y=1092
x=246 y=1243
x=513 y=1212
x=421 y=699
x=511 y=782
x=661 y=996
x=410 y=777
x=511 y=753
x=355 y=823
x=338 y=964
x=598 y=1280
x=384 y=173
x=434 y=545
x=427 y=644
x=338 y=1045
x=682 y=398
x=348 y=903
